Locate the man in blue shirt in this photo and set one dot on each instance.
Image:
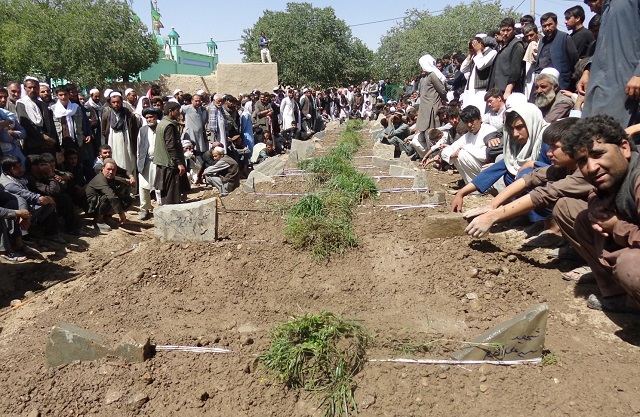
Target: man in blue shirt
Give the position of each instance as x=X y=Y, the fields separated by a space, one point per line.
x=264 y=48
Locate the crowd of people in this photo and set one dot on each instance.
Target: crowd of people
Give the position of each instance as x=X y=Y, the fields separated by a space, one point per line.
x=543 y=120
x=540 y=118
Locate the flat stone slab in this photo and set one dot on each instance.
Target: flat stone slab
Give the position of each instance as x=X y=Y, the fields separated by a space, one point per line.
x=402 y=171
x=434 y=197
x=255 y=177
x=420 y=181
x=383 y=151
x=319 y=135
x=443 y=225
x=382 y=162
x=303 y=149
x=271 y=166
x=69 y=343
x=190 y=222
x=520 y=338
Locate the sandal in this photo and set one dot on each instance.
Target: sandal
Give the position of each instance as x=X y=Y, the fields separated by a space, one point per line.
x=564 y=252
x=13 y=257
x=582 y=275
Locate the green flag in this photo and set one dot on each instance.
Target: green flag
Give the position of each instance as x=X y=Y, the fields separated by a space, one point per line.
x=154 y=13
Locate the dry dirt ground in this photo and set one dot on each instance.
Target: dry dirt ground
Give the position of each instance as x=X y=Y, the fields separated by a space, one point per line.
x=230 y=293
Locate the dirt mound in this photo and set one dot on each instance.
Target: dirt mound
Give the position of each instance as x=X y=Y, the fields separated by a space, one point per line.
x=400 y=286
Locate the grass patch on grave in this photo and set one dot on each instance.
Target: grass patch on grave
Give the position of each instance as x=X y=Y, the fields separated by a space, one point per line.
x=321 y=221
x=319 y=353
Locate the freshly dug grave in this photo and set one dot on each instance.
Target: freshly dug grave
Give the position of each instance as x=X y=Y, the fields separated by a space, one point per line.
x=401 y=287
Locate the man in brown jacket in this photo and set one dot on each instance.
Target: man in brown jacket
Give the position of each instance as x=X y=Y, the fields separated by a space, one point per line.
x=607 y=234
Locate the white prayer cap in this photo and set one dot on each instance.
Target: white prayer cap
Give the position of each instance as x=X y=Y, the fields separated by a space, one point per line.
x=218 y=149
x=93 y=91
x=200 y=92
x=107 y=93
x=276 y=88
x=240 y=95
x=176 y=91
x=186 y=143
x=30 y=78
x=127 y=91
x=218 y=96
x=392 y=109
x=115 y=94
x=551 y=71
x=515 y=99
x=304 y=90
x=45 y=85
x=481 y=35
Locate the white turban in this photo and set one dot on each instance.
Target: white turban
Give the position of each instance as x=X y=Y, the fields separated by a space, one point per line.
x=200 y=92
x=551 y=71
x=93 y=91
x=127 y=91
x=115 y=94
x=107 y=93
x=176 y=91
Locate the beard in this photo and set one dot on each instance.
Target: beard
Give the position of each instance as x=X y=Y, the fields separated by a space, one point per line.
x=543 y=100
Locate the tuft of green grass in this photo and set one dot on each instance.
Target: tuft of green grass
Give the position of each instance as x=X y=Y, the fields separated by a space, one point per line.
x=319 y=353
x=548 y=358
x=321 y=221
x=354 y=124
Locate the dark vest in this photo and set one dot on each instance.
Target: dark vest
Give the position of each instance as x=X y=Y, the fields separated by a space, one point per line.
x=559 y=58
x=625 y=200
x=482 y=75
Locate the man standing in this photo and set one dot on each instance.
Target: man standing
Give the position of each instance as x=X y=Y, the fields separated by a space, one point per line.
x=120 y=130
x=146 y=166
x=262 y=114
x=288 y=109
x=108 y=195
x=582 y=37
x=14 y=95
x=507 y=71
x=69 y=122
x=195 y=117
x=45 y=94
x=607 y=234
x=613 y=77
x=37 y=119
x=217 y=120
x=553 y=106
x=556 y=50
x=168 y=157
x=265 y=54
x=308 y=111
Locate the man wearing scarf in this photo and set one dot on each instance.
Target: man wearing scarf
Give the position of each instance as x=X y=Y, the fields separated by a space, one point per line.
x=120 y=130
x=169 y=158
x=69 y=122
x=146 y=166
x=37 y=120
x=218 y=120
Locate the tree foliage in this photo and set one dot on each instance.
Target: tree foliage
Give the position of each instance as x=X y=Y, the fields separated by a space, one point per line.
x=311 y=46
x=84 y=41
x=421 y=32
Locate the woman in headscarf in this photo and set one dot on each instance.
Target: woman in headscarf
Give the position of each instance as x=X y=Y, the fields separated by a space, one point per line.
x=432 y=94
x=523 y=147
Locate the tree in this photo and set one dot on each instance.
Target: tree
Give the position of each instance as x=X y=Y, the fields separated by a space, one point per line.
x=84 y=41
x=421 y=33
x=311 y=46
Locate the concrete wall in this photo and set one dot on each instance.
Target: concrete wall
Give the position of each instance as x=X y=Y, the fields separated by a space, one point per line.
x=227 y=79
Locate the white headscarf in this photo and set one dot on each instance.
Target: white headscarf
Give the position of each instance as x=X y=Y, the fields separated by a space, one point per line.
x=515 y=155
x=139 y=109
x=428 y=64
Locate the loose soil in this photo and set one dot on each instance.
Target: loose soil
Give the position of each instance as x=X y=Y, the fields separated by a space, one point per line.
x=229 y=294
